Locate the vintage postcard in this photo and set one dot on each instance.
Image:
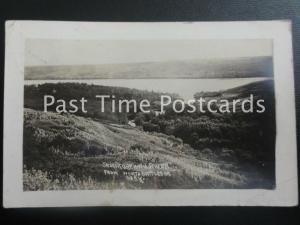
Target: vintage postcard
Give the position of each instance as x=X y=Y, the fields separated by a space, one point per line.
x=149 y=114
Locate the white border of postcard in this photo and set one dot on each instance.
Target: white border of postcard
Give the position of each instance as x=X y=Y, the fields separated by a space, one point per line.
x=286 y=191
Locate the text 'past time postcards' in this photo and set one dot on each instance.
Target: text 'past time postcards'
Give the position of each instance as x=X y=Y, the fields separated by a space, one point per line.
x=149 y=114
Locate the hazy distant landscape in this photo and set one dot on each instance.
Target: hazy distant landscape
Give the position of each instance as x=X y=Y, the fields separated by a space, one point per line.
x=244 y=67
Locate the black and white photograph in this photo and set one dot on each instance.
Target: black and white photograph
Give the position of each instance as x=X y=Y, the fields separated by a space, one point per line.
x=113 y=142
x=137 y=114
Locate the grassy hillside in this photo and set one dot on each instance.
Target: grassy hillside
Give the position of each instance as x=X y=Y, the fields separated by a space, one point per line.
x=174 y=150
x=248 y=133
x=34 y=98
x=72 y=152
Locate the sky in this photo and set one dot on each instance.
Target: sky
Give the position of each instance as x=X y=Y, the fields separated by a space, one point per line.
x=40 y=52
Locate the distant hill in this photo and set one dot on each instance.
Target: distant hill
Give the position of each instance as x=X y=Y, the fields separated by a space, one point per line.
x=259 y=89
x=34 y=97
x=212 y=68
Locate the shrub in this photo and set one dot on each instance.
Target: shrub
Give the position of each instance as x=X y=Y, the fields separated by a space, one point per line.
x=151 y=127
x=38 y=180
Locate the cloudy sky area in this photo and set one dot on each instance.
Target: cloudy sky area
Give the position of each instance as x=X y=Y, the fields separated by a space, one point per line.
x=40 y=52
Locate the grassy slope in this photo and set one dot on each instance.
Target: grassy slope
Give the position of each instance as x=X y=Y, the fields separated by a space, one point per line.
x=115 y=156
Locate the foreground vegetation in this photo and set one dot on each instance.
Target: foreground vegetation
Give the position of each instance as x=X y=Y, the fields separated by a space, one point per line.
x=171 y=150
x=71 y=152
